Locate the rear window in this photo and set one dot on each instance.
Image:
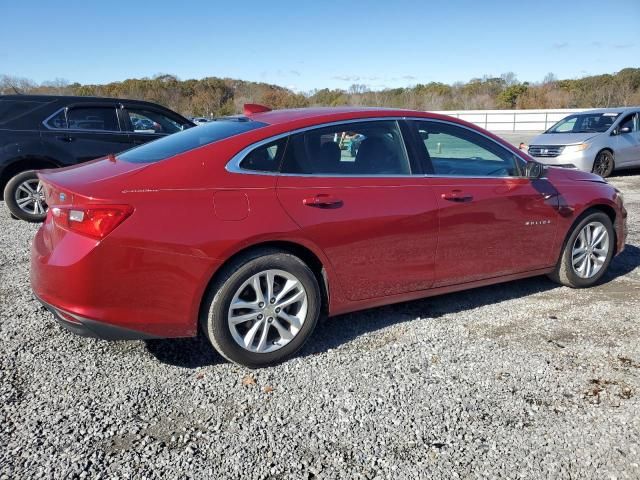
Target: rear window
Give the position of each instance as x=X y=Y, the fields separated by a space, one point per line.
x=12 y=109
x=188 y=140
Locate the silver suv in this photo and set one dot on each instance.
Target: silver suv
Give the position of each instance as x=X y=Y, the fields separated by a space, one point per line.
x=596 y=141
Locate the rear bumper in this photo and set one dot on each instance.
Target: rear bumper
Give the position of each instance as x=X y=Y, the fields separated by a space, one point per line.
x=113 y=289
x=86 y=327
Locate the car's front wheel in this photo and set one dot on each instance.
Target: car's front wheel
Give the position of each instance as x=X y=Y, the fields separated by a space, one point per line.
x=604 y=164
x=262 y=308
x=587 y=252
x=24 y=196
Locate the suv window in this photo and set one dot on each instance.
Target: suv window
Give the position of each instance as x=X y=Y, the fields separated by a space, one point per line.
x=59 y=120
x=629 y=121
x=148 y=121
x=180 y=142
x=265 y=158
x=364 y=148
x=93 y=118
x=458 y=151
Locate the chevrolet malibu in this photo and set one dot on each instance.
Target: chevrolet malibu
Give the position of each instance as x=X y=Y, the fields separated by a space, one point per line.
x=247 y=229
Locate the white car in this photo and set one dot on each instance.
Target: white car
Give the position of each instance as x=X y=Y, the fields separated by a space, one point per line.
x=598 y=141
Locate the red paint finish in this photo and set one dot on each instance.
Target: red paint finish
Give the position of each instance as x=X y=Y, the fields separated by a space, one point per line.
x=380 y=239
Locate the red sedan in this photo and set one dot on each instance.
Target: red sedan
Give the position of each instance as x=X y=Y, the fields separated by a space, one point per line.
x=247 y=228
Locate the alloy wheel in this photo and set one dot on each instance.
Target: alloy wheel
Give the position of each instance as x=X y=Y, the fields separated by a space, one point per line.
x=602 y=164
x=29 y=197
x=590 y=250
x=267 y=311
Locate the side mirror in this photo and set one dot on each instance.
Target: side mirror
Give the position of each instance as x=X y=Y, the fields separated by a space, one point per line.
x=624 y=130
x=534 y=170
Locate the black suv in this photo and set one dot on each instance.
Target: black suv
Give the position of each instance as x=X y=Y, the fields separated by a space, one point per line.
x=43 y=131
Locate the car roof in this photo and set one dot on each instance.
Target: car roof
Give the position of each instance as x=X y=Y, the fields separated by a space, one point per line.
x=612 y=110
x=72 y=98
x=317 y=115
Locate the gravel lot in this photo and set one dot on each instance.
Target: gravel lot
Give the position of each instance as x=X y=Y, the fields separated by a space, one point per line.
x=522 y=380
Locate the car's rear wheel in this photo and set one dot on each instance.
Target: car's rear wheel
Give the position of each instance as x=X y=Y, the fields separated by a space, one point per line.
x=24 y=196
x=604 y=163
x=587 y=252
x=262 y=308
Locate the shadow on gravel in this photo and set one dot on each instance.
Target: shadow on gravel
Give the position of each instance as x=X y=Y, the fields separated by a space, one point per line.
x=336 y=331
x=626 y=173
x=184 y=352
x=623 y=264
x=333 y=332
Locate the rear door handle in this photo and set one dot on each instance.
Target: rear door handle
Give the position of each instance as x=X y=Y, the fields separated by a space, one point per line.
x=65 y=138
x=322 y=200
x=457 y=196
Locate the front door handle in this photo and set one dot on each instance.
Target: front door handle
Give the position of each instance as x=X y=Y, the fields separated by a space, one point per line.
x=322 y=200
x=65 y=138
x=457 y=196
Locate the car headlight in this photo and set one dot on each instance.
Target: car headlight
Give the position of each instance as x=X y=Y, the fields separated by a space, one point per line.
x=575 y=148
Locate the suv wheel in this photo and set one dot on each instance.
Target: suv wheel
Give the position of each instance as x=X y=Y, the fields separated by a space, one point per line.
x=587 y=252
x=24 y=197
x=262 y=308
x=603 y=164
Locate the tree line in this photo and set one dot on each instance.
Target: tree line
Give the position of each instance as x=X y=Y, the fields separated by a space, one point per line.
x=214 y=96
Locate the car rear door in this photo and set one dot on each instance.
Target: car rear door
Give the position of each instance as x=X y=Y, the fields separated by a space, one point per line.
x=376 y=223
x=86 y=130
x=493 y=221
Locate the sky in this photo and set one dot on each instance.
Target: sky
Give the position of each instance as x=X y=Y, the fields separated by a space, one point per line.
x=305 y=45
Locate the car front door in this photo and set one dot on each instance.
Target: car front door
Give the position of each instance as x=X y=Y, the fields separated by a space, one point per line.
x=493 y=221
x=86 y=131
x=375 y=222
x=627 y=143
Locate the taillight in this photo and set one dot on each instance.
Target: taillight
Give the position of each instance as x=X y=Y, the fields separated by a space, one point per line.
x=95 y=221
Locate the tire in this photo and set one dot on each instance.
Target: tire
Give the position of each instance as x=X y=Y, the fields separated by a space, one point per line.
x=24 y=197
x=604 y=163
x=565 y=272
x=235 y=283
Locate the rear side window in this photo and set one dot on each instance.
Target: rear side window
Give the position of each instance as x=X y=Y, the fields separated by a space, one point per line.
x=363 y=148
x=93 y=118
x=188 y=140
x=265 y=158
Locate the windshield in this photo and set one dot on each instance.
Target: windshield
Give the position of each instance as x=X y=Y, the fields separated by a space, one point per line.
x=585 y=123
x=189 y=139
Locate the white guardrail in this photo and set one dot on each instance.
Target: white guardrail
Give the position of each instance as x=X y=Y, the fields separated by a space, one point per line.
x=513 y=120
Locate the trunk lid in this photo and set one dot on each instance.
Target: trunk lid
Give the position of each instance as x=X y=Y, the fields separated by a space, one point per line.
x=91 y=181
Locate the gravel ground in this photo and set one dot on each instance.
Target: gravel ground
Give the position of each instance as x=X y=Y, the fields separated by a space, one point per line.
x=522 y=380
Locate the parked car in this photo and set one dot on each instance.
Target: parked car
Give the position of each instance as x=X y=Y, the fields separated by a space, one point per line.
x=42 y=131
x=248 y=228
x=598 y=141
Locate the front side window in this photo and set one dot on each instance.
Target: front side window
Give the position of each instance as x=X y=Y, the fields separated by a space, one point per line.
x=190 y=139
x=585 y=123
x=363 y=148
x=457 y=151
x=93 y=118
x=629 y=122
x=148 y=121
x=265 y=158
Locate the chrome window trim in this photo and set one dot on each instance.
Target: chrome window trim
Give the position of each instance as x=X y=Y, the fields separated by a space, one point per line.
x=53 y=129
x=233 y=165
